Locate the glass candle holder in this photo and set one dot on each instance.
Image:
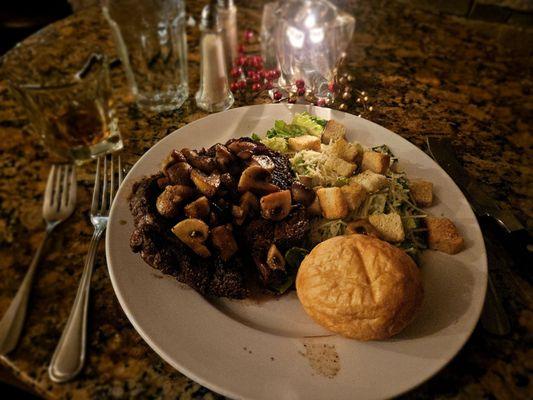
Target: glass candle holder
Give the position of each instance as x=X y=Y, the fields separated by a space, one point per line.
x=76 y=118
x=305 y=39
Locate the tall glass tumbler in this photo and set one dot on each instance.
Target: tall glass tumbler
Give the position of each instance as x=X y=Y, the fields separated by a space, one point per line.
x=151 y=42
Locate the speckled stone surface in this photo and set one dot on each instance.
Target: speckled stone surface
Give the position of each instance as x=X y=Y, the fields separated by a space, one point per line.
x=425 y=73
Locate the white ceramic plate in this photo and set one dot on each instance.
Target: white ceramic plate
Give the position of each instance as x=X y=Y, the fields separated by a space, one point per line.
x=269 y=350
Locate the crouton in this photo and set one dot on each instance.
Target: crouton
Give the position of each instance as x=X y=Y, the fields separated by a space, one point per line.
x=339 y=166
x=332 y=203
x=375 y=162
x=305 y=142
x=389 y=226
x=422 y=192
x=314 y=209
x=333 y=131
x=371 y=181
x=354 y=194
x=443 y=235
x=346 y=150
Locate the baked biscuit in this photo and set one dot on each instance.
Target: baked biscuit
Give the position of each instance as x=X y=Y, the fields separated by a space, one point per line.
x=360 y=287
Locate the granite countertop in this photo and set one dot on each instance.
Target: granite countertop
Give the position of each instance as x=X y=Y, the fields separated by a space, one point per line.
x=425 y=73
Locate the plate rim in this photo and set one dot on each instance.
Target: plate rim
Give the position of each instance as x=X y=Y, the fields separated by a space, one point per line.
x=293 y=108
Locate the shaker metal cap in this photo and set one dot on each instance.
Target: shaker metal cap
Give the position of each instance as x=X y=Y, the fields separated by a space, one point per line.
x=225 y=3
x=209 y=17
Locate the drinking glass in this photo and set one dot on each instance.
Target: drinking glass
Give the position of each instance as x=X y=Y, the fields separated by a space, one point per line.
x=305 y=39
x=75 y=118
x=151 y=42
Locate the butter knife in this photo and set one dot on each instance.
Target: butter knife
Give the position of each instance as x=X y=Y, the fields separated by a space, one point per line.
x=493 y=318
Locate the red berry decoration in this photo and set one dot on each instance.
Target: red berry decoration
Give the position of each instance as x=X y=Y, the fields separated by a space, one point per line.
x=241 y=49
x=256 y=87
x=300 y=91
x=276 y=73
x=331 y=87
x=236 y=72
x=250 y=73
x=292 y=100
x=241 y=60
x=241 y=84
x=277 y=95
x=321 y=102
x=269 y=85
x=234 y=86
x=299 y=83
x=248 y=35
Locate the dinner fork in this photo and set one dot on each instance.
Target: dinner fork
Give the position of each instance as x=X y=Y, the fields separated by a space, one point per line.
x=59 y=203
x=69 y=355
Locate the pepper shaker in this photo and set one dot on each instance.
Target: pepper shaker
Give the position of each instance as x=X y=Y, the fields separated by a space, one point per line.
x=227 y=12
x=214 y=94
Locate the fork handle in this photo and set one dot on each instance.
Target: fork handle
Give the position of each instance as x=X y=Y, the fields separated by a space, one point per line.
x=69 y=355
x=13 y=320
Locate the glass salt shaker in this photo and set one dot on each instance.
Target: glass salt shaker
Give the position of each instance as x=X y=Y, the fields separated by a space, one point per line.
x=214 y=94
x=227 y=13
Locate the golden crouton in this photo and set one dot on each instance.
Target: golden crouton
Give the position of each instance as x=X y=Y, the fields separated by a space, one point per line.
x=345 y=150
x=333 y=131
x=375 y=162
x=354 y=194
x=305 y=142
x=389 y=226
x=371 y=181
x=443 y=235
x=422 y=192
x=339 y=166
x=332 y=203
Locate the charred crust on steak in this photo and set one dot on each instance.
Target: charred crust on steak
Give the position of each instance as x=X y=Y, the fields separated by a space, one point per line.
x=152 y=237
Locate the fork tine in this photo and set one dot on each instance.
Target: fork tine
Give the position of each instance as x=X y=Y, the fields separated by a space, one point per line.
x=119 y=171
x=56 y=198
x=65 y=191
x=72 y=191
x=49 y=187
x=103 y=207
x=96 y=189
x=112 y=184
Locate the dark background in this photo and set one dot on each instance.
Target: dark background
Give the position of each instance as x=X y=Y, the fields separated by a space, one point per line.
x=21 y=18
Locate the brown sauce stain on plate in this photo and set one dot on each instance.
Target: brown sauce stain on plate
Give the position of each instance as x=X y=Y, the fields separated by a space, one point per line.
x=323 y=358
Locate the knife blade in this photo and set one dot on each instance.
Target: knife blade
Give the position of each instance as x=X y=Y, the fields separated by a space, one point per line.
x=442 y=151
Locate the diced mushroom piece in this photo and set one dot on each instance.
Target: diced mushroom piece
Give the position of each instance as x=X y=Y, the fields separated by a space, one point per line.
x=173 y=158
x=276 y=206
x=207 y=184
x=193 y=232
x=223 y=240
x=223 y=157
x=256 y=179
x=199 y=208
x=242 y=149
x=247 y=204
x=227 y=181
x=274 y=259
x=203 y=163
x=263 y=161
x=302 y=194
x=168 y=202
x=315 y=209
x=179 y=173
x=307 y=181
x=362 y=226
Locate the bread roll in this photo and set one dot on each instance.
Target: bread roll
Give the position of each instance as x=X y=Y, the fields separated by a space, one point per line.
x=360 y=287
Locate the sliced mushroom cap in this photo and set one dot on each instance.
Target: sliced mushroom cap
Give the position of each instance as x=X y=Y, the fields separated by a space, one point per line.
x=263 y=161
x=208 y=185
x=173 y=158
x=248 y=203
x=163 y=182
x=169 y=201
x=362 y=226
x=243 y=149
x=193 y=232
x=307 y=181
x=302 y=194
x=223 y=157
x=256 y=179
x=274 y=258
x=222 y=238
x=199 y=208
x=203 y=163
x=276 y=206
x=179 y=173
